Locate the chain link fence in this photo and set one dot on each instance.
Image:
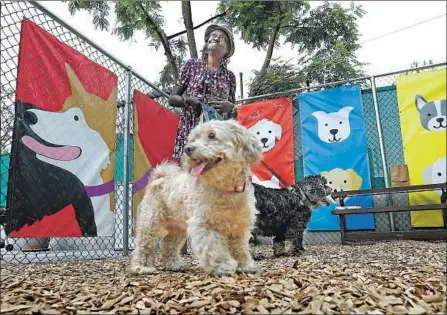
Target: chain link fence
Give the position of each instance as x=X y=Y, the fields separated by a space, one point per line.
x=384 y=143
x=23 y=250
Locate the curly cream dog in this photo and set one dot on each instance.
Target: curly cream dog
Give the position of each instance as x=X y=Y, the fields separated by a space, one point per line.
x=210 y=199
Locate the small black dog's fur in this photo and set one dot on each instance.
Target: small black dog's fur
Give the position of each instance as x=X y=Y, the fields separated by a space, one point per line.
x=284 y=214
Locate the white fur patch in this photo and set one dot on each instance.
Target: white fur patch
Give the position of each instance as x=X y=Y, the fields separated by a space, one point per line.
x=267 y=132
x=333 y=127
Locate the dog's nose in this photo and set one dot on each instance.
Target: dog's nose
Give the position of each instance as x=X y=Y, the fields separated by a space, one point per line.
x=264 y=140
x=440 y=120
x=30 y=118
x=333 y=131
x=189 y=150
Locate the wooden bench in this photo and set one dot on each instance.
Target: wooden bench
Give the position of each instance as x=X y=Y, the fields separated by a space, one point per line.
x=432 y=234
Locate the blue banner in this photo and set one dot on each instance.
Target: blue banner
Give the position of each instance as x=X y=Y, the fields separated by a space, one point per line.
x=334 y=145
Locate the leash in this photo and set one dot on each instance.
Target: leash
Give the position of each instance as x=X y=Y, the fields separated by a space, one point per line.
x=284 y=182
x=277 y=175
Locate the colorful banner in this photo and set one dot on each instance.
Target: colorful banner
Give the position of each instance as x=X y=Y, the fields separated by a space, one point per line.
x=4 y=166
x=422 y=108
x=334 y=145
x=155 y=129
x=271 y=121
x=62 y=159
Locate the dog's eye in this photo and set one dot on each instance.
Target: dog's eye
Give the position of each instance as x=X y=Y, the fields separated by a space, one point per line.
x=428 y=114
x=270 y=131
x=330 y=183
x=212 y=136
x=341 y=122
x=76 y=118
x=439 y=174
x=325 y=125
x=345 y=181
x=258 y=133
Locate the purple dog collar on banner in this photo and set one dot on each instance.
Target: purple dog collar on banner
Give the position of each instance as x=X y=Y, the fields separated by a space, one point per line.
x=100 y=190
x=106 y=188
x=142 y=182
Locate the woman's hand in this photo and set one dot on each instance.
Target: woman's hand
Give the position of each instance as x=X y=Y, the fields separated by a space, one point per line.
x=222 y=106
x=194 y=103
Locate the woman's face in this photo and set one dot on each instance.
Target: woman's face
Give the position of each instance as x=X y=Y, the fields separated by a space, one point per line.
x=218 y=42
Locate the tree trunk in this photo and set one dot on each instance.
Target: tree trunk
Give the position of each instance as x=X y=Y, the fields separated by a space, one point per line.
x=270 y=48
x=187 y=19
x=164 y=41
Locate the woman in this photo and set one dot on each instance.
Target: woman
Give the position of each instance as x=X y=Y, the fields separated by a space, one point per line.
x=205 y=80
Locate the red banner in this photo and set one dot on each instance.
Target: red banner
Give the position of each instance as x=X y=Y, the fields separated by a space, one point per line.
x=272 y=122
x=155 y=129
x=62 y=158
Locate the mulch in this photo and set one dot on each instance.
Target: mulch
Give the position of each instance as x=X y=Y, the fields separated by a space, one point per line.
x=397 y=277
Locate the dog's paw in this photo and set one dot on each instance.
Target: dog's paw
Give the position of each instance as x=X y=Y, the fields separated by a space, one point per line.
x=258 y=257
x=143 y=270
x=253 y=269
x=177 y=267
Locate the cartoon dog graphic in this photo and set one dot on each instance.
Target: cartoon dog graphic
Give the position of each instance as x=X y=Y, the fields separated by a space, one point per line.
x=273 y=182
x=267 y=132
x=333 y=127
x=340 y=179
x=435 y=173
x=433 y=115
x=81 y=142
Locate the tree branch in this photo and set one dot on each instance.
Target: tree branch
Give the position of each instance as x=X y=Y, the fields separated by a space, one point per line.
x=187 y=19
x=164 y=41
x=198 y=25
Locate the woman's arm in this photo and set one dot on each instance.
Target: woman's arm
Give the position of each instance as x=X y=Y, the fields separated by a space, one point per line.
x=176 y=99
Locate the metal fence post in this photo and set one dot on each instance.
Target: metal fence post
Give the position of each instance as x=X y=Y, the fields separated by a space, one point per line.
x=382 y=146
x=126 y=161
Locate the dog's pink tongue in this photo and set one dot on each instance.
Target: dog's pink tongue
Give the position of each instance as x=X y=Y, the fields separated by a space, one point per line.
x=66 y=153
x=196 y=170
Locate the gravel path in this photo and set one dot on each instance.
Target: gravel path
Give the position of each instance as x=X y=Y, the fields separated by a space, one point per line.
x=399 y=277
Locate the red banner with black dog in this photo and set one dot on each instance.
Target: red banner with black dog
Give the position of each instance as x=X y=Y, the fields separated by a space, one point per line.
x=272 y=122
x=62 y=160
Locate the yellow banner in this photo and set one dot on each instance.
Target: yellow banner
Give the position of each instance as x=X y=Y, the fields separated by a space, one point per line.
x=422 y=108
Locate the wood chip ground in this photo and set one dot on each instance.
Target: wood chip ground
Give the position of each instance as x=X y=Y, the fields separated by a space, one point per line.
x=399 y=277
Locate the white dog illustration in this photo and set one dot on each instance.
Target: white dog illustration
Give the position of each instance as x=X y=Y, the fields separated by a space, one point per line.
x=435 y=173
x=267 y=132
x=333 y=127
x=269 y=183
x=79 y=141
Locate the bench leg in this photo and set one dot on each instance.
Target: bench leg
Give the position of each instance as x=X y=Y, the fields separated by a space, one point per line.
x=342 y=228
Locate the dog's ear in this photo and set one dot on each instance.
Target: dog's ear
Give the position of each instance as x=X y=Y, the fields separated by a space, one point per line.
x=278 y=131
x=75 y=84
x=247 y=142
x=344 y=112
x=319 y=114
x=426 y=174
x=252 y=150
x=355 y=178
x=113 y=97
x=420 y=102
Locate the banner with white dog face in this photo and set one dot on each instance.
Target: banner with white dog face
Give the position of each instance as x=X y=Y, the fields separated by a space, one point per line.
x=423 y=119
x=334 y=145
x=62 y=161
x=271 y=121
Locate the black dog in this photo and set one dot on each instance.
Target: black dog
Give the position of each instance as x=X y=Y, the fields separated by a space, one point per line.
x=285 y=213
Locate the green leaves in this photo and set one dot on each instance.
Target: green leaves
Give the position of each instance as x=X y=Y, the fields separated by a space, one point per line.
x=99 y=9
